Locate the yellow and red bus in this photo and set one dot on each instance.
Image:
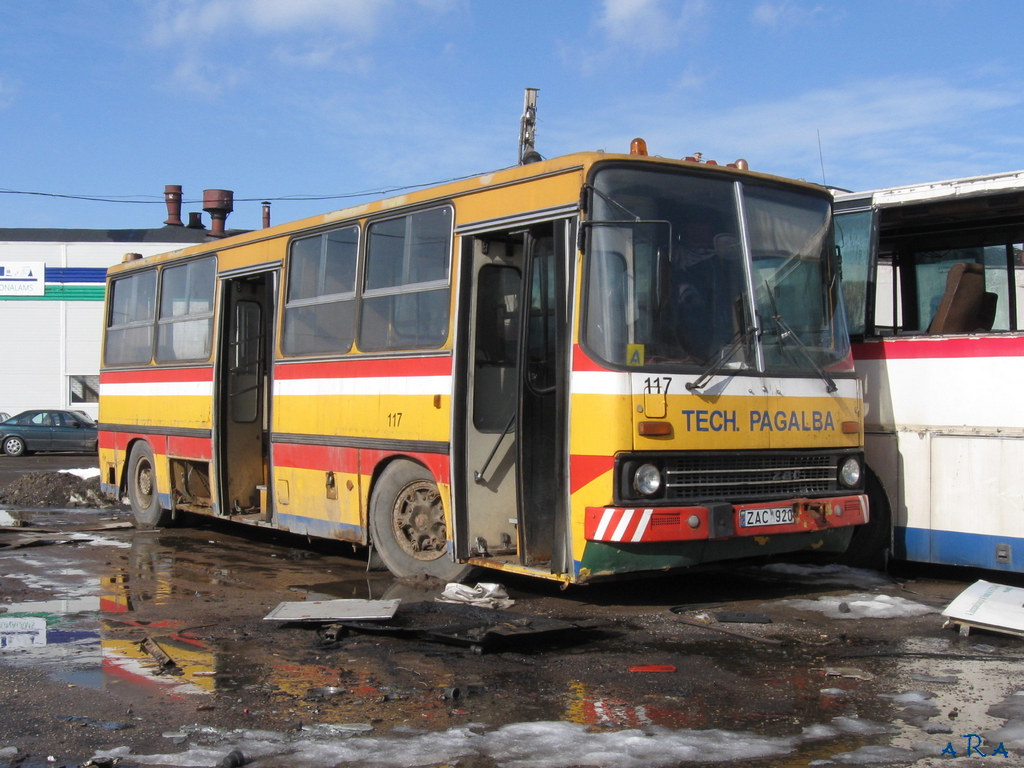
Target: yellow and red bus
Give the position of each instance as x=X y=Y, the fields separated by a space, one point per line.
x=588 y=366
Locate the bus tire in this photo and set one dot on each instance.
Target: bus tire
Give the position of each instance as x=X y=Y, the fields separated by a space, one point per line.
x=407 y=524
x=142 y=492
x=870 y=544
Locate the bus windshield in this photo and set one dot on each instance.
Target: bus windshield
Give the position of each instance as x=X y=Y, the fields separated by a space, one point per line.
x=689 y=270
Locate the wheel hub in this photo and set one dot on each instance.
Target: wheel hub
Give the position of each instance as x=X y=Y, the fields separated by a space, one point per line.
x=418 y=520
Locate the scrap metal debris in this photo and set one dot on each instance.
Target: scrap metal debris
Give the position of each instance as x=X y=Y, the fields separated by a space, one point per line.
x=333 y=610
x=992 y=607
x=723 y=630
x=470 y=626
x=167 y=664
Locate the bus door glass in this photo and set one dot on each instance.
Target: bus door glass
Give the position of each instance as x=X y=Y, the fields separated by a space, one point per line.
x=542 y=437
x=514 y=383
x=241 y=416
x=489 y=524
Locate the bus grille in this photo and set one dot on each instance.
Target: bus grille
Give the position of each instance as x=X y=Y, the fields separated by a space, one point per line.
x=742 y=477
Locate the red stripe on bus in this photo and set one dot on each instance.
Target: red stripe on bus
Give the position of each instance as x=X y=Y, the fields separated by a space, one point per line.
x=940 y=348
x=157 y=375
x=352 y=460
x=176 y=446
x=349 y=369
x=584 y=469
x=321 y=457
x=190 y=447
x=582 y=362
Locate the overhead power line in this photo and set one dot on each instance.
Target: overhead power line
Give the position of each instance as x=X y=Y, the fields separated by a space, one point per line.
x=159 y=199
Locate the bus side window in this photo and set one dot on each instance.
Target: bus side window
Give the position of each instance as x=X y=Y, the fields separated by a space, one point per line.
x=406 y=290
x=853 y=238
x=607 y=322
x=958 y=290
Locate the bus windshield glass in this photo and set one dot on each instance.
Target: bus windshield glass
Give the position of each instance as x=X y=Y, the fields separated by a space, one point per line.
x=686 y=271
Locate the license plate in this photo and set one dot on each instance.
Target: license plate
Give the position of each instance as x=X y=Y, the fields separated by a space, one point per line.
x=753 y=518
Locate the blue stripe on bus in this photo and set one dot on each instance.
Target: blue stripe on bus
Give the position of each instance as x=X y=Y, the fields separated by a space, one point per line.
x=951 y=548
x=326 y=529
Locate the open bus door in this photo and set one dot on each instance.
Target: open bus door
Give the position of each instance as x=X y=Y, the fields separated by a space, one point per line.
x=241 y=414
x=510 y=460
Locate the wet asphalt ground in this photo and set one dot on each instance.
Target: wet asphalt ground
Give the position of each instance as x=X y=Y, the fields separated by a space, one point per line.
x=152 y=648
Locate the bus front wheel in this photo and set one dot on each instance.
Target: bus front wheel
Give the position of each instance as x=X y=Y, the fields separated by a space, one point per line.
x=871 y=543
x=142 y=490
x=407 y=524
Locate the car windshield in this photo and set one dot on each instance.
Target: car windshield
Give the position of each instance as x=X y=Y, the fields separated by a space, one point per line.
x=686 y=270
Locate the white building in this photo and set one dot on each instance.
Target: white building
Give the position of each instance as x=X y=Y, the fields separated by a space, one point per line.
x=51 y=306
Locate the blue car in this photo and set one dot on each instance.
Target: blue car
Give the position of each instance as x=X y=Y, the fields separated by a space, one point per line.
x=48 y=431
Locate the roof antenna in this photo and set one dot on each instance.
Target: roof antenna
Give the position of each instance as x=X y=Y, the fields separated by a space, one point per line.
x=528 y=128
x=821 y=159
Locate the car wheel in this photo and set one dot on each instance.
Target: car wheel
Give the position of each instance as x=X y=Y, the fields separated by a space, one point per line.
x=14 y=446
x=407 y=524
x=142 y=490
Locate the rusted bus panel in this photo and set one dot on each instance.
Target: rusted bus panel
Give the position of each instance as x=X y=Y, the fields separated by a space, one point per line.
x=325 y=491
x=318 y=488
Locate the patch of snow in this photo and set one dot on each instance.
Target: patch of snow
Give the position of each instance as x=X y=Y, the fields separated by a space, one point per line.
x=519 y=745
x=94 y=540
x=1011 y=735
x=86 y=473
x=861 y=606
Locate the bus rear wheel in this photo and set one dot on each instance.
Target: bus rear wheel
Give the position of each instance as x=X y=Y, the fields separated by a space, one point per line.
x=407 y=524
x=142 y=491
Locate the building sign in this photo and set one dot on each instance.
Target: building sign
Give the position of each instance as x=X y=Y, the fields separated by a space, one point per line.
x=22 y=278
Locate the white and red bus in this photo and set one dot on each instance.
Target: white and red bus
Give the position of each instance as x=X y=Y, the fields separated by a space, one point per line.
x=933 y=287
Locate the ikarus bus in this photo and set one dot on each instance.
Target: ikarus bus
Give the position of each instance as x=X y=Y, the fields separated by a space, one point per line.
x=590 y=366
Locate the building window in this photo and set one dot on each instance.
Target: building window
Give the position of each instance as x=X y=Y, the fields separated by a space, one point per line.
x=83 y=389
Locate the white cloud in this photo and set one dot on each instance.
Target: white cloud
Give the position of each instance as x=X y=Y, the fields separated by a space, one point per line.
x=188 y=19
x=783 y=13
x=874 y=133
x=650 y=24
x=195 y=74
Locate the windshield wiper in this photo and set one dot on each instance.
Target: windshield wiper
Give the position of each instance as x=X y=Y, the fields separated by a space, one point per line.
x=612 y=201
x=742 y=336
x=783 y=332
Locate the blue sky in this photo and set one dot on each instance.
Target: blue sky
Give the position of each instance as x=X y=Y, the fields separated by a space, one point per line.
x=347 y=98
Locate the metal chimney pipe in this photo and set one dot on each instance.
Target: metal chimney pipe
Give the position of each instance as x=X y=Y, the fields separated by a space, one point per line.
x=218 y=203
x=266 y=214
x=195 y=220
x=172 y=197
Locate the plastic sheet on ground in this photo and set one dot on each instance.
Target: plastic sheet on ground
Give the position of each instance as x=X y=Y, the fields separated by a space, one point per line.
x=483 y=594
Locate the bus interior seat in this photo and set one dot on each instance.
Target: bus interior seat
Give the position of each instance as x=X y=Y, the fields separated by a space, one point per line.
x=965 y=307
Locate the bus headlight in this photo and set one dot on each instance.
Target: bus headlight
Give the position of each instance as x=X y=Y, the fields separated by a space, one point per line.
x=647 y=480
x=849 y=472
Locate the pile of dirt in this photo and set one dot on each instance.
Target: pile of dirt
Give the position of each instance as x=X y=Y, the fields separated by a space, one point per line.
x=56 y=490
